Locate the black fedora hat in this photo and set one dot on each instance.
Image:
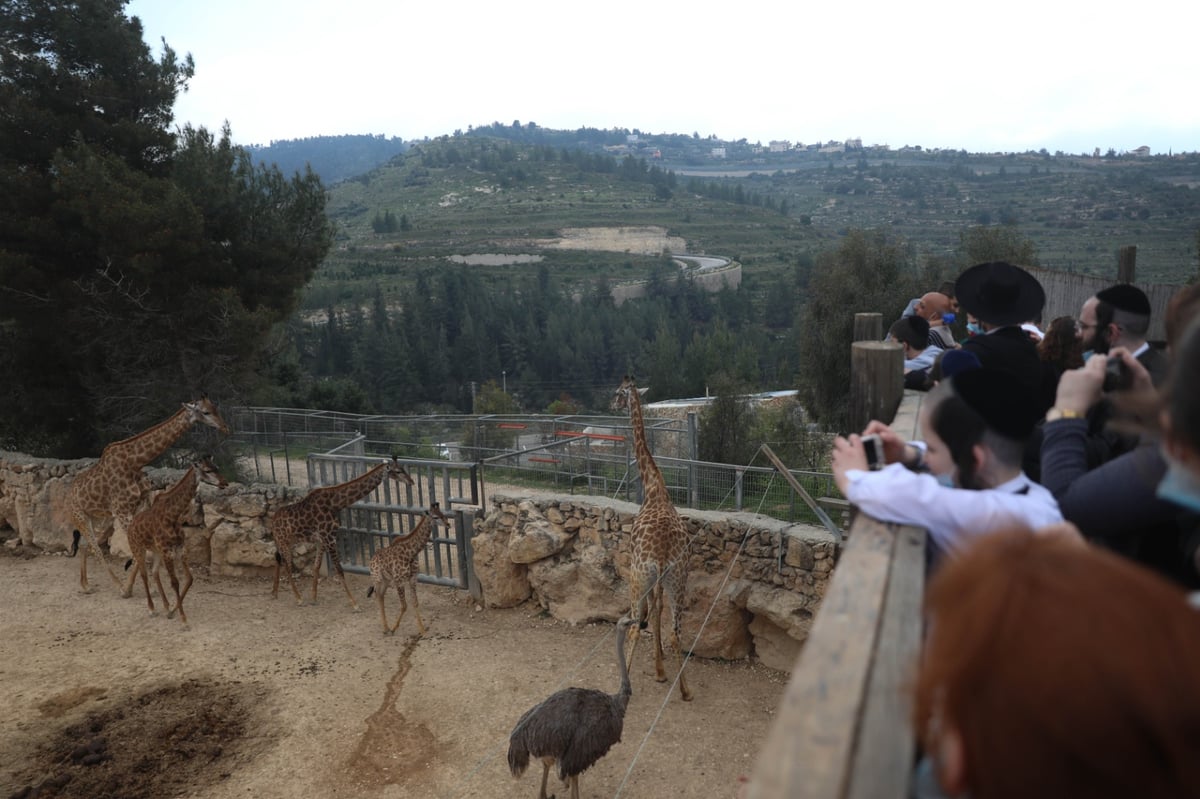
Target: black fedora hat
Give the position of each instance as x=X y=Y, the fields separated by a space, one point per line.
x=999 y=293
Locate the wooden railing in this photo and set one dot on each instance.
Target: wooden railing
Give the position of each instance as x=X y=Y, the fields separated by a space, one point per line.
x=844 y=728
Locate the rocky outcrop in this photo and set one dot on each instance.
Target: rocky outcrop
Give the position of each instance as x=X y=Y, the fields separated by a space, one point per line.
x=754 y=583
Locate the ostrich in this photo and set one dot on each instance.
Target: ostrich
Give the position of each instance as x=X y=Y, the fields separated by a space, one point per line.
x=574 y=727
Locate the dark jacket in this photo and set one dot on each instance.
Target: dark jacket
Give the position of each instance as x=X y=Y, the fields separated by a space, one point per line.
x=1010 y=349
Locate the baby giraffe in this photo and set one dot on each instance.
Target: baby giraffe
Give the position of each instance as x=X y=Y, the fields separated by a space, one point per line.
x=396 y=564
x=159 y=528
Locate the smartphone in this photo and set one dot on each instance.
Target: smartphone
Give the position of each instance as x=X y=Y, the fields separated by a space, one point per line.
x=873 y=445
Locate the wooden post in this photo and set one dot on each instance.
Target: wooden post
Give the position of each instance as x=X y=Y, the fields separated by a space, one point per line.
x=868 y=327
x=1126 y=263
x=876 y=382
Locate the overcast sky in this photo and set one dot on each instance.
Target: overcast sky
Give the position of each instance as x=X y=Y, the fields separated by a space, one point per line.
x=1013 y=76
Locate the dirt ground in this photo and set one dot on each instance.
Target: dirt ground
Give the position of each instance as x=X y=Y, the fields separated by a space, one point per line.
x=264 y=699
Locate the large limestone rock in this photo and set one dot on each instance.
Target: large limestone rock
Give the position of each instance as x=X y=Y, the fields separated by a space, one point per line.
x=726 y=632
x=580 y=589
x=774 y=647
x=504 y=584
x=537 y=540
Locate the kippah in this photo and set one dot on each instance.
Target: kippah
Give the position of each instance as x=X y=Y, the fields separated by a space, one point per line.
x=920 y=326
x=1126 y=297
x=1003 y=401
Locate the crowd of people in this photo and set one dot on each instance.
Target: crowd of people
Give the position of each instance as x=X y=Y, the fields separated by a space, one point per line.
x=1058 y=477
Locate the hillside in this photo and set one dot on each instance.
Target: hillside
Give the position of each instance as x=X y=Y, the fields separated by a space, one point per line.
x=513 y=191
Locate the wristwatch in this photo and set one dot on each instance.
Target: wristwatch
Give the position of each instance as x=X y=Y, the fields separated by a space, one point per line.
x=1054 y=414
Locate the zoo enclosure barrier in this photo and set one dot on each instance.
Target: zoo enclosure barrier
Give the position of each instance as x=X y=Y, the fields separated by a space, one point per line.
x=577 y=454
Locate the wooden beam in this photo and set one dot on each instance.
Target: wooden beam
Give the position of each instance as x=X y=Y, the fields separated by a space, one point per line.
x=809 y=751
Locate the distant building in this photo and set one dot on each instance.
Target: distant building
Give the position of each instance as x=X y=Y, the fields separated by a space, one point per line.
x=854 y=144
x=1142 y=152
x=631 y=138
x=718 y=152
x=780 y=146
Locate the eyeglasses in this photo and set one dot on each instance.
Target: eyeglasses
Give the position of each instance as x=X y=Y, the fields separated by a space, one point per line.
x=1080 y=326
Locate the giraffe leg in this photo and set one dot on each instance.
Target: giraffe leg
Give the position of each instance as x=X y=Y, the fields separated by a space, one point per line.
x=637 y=609
x=127 y=591
x=93 y=544
x=660 y=673
x=331 y=551
x=417 y=606
x=141 y=566
x=380 y=587
x=169 y=560
x=158 y=563
x=676 y=620
x=403 y=606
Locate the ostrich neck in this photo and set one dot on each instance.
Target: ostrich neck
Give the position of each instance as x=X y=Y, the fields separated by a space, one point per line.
x=626 y=687
x=653 y=484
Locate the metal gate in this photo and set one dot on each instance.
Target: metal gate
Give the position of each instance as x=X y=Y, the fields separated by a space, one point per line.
x=394 y=509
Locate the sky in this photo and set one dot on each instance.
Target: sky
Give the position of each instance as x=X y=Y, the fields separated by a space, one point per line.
x=1016 y=76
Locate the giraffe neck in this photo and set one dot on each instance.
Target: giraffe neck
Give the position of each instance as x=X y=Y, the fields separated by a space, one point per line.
x=654 y=486
x=176 y=499
x=417 y=539
x=346 y=494
x=137 y=451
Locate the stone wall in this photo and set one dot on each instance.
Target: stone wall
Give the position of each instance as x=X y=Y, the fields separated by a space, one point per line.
x=227 y=531
x=754 y=583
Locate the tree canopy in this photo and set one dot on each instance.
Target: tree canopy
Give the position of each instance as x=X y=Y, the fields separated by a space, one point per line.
x=138 y=266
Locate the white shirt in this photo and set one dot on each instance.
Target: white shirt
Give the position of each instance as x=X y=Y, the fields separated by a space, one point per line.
x=951 y=515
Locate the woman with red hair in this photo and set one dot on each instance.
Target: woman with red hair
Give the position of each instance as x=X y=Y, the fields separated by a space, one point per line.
x=1056 y=669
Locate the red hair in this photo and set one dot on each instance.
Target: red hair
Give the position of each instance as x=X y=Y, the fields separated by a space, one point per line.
x=1067 y=671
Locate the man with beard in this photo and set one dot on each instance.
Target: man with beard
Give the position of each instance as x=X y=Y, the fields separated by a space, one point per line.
x=1119 y=316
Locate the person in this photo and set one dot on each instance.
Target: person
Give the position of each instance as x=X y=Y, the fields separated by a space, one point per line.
x=966 y=479
x=938 y=309
x=1060 y=347
x=948 y=364
x=1119 y=316
x=1122 y=504
x=1002 y=296
x=1052 y=669
x=912 y=332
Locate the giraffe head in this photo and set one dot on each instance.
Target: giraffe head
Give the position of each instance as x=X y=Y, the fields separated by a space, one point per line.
x=623 y=397
x=435 y=511
x=205 y=411
x=398 y=473
x=207 y=471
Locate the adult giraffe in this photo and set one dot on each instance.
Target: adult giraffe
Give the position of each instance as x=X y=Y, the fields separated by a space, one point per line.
x=107 y=494
x=658 y=545
x=315 y=517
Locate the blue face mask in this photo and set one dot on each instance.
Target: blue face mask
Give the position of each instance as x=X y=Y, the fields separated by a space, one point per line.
x=945 y=480
x=1179 y=486
x=1087 y=354
x=975 y=327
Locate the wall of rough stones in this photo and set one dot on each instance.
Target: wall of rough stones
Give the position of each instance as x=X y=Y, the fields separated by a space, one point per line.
x=754 y=583
x=226 y=533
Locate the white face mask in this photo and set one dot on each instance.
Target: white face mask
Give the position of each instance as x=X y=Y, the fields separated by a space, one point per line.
x=1179 y=485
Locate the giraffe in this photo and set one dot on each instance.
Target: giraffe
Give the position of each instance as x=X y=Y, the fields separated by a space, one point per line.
x=159 y=528
x=658 y=545
x=108 y=492
x=316 y=517
x=396 y=564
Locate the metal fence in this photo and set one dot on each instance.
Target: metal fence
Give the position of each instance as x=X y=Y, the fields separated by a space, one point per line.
x=576 y=454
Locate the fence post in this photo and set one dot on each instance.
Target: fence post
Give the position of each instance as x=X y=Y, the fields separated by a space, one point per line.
x=868 y=327
x=1126 y=263
x=693 y=456
x=876 y=382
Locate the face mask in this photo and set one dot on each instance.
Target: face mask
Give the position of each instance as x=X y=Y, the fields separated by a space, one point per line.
x=1087 y=354
x=945 y=480
x=1179 y=486
x=975 y=327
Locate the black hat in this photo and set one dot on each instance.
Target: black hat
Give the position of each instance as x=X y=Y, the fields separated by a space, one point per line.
x=1005 y=403
x=1126 y=297
x=999 y=293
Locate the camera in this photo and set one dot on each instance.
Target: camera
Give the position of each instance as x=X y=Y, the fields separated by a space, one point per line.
x=1117 y=376
x=873 y=446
